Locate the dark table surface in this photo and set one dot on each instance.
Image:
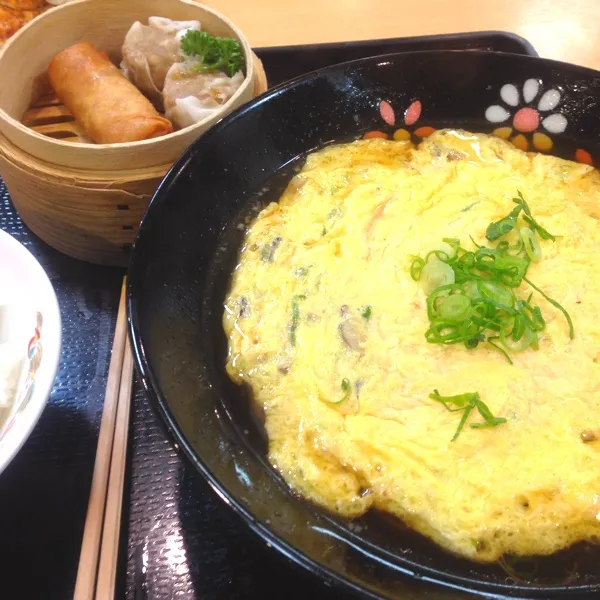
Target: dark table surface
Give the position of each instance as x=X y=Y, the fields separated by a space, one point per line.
x=44 y=491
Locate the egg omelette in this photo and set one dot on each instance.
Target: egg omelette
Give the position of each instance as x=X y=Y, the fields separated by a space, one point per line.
x=326 y=326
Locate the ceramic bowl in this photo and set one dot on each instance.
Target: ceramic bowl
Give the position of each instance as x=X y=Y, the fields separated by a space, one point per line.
x=187 y=247
x=30 y=342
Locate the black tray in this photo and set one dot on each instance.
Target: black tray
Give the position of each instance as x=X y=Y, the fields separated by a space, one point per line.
x=181 y=541
x=286 y=62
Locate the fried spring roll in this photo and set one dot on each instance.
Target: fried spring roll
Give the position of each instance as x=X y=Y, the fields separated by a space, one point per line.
x=107 y=105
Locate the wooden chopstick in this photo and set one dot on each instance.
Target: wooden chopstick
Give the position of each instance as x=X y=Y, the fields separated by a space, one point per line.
x=85 y=584
x=107 y=569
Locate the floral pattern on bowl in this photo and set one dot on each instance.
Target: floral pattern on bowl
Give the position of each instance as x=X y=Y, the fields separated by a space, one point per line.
x=528 y=116
x=528 y=110
x=526 y=106
x=30 y=344
x=26 y=385
x=411 y=116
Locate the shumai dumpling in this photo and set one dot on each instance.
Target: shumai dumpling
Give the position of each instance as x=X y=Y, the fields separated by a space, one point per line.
x=150 y=50
x=190 y=95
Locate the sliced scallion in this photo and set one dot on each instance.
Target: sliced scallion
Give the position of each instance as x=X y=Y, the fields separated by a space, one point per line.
x=467 y=403
x=471 y=293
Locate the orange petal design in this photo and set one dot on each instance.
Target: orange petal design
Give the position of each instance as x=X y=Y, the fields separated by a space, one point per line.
x=375 y=134
x=387 y=112
x=503 y=132
x=424 y=131
x=401 y=135
x=520 y=141
x=583 y=156
x=542 y=142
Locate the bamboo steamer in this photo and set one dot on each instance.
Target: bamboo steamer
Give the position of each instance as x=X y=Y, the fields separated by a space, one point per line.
x=84 y=199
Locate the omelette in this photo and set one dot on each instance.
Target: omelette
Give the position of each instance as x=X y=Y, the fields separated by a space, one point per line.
x=326 y=326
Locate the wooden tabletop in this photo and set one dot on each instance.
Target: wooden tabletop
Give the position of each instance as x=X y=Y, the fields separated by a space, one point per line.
x=565 y=30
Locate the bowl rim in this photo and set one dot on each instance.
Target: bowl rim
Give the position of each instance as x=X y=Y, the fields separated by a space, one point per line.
x=168 y=422
x=248 y=80
x=51 y=341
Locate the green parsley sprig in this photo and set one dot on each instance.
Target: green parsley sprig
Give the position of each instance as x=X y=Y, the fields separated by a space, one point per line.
x=215 y=53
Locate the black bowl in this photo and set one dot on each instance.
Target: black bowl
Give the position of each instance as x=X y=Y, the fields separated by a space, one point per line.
x=187 y=246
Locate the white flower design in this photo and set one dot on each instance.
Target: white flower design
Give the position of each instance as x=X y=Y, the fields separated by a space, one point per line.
x=527 y=119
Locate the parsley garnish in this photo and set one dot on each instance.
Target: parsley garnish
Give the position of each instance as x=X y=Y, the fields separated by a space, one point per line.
x=215 y=53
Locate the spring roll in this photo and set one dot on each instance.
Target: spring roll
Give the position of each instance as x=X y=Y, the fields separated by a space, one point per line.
x=108 y=107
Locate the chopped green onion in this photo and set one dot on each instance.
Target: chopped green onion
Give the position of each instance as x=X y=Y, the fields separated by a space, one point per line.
x=495 y=291
x=556 y=304
x=492 y=342
x=470 y=206
x=267 y=254
x=522 y=342
x=416 y=268
x=448 y=252
x=345 y=390
x=500 y=228
x=528 y=218
x=470 y=294
x=365 y=312
x=457 y=307
x=295 y=317
x=467 y=402
x=531 y=244
x=473 y=342
x=435 y=274
x=463 y=420
x=471 y=289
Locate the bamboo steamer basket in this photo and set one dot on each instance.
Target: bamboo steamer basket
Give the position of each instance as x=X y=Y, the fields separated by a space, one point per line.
x=85 y=199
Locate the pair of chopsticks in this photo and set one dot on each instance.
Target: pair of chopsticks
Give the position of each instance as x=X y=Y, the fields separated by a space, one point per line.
x=96 y=575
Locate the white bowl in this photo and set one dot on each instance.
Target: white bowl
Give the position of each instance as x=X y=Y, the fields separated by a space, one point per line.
x=30 y=341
